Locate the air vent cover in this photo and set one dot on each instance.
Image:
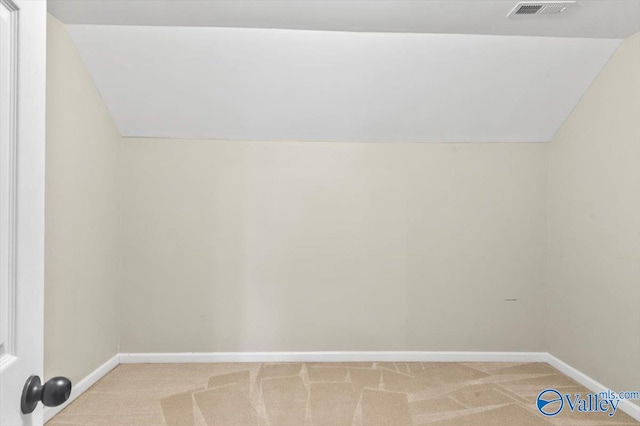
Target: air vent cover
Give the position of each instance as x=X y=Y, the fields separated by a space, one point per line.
x=528 y=8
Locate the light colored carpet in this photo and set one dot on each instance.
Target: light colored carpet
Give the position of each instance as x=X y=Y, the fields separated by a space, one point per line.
x=331 y=394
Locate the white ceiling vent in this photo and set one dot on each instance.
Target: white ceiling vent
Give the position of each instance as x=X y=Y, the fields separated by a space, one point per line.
x=529 y=8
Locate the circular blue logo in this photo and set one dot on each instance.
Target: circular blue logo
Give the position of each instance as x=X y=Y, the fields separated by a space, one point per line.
x=549 y=402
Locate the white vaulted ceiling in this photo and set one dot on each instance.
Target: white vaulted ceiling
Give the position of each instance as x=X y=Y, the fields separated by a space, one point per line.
x=168 y=77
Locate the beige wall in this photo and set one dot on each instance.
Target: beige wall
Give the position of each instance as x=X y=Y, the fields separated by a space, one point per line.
x=249 y=246
x=594 y=228
x=82 y=208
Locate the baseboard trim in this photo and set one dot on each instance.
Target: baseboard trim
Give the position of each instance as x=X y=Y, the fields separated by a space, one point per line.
x=84 y=384
x=594 y=386
x=389 y=356
x=200 y=357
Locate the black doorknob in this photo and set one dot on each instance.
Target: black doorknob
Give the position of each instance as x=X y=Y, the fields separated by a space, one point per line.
x=53 y=393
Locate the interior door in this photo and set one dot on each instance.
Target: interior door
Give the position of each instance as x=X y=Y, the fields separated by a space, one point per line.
x=22 y=159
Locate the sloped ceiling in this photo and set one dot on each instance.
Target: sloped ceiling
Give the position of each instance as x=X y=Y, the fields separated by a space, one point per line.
x=187 y=81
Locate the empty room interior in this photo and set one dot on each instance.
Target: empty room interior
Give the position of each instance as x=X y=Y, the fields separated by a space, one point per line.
x=319 y=213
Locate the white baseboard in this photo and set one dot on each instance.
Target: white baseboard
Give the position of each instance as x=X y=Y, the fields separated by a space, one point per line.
x=594 y=386
x=198 y=357
x=84 y=384
x=407 y=356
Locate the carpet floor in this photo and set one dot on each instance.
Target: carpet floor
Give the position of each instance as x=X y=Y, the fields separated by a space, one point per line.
x=327 y=394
